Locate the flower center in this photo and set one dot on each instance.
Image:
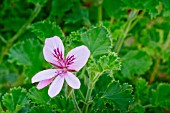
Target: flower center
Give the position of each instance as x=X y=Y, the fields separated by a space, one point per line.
x=63 y=63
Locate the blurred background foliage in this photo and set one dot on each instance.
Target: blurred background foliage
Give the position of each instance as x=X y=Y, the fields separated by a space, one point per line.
x=142 y=29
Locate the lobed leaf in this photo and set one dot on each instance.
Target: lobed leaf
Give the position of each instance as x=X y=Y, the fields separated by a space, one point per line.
x=38 y=96
x=46 y=29
x=41 y=109
x=114 y=96
x=161 y=96
x=28 y=53
x=62 y=105
x=15 y=100
x=97 y=39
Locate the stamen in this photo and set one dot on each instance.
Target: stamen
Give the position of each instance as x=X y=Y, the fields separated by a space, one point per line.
x=69 y=60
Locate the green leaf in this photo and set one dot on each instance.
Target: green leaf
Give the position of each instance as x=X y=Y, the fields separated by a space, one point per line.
x=74 y=38
x=161 y=96
x=114 y=8
x=41 y=109
x=135 y=62
x=1 y=109
x=62 y=105
x=107 y=63
x=97 y=39
x=110 y=62
x=138 y=108
x=141 y=96
x=28 y=53
x=39 y=96
x=15 y=100
x=113 y=96
x=166 y=4
x=141 y=90
x=46 y=29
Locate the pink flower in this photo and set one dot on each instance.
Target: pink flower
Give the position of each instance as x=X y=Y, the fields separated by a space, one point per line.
x=54 y=53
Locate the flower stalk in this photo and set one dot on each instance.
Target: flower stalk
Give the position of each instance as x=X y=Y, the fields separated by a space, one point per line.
x=75 y=102
x=91 y=86
x=126 y=29
x=21 y=30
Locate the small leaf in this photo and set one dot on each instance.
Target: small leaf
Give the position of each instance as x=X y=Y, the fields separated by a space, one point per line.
x=161 y=96
x=141 y=91
x=38 y=96
x=107 y=63
x=141 y=96
x=110 y=62
x=15 y=100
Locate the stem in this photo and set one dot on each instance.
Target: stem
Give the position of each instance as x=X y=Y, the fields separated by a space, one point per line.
x=82 y=96
x=75 y=102
x=28 y=22
x=167 y=42
x=148 y=106
x=100 y=13
x=137 y=20
x=155 y=71
x=111 y=22
x=89 y=91
x=3 y=39
x=131 y=17
x=21 y=30
x=88 y=96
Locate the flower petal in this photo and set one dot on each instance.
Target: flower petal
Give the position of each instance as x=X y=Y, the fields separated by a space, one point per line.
x=53 y=50
x=81 y=55
x=56 y=86
x=72 y=80
x=45 y=74
x=44 y=83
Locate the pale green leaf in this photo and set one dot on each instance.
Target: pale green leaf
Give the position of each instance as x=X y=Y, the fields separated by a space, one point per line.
x=97 y=39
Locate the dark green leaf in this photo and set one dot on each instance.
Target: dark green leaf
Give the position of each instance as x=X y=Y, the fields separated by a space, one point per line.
x=15 y=100
x=28 y=53
x=135 y=62
x=46 y=29
x=114 y=94
x=41 y=109
x=114 y=8
x=62 y=105
x=39 y=96
x=161 y=96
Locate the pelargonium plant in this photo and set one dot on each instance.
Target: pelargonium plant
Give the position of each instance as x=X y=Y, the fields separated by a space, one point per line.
x=63 y=67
